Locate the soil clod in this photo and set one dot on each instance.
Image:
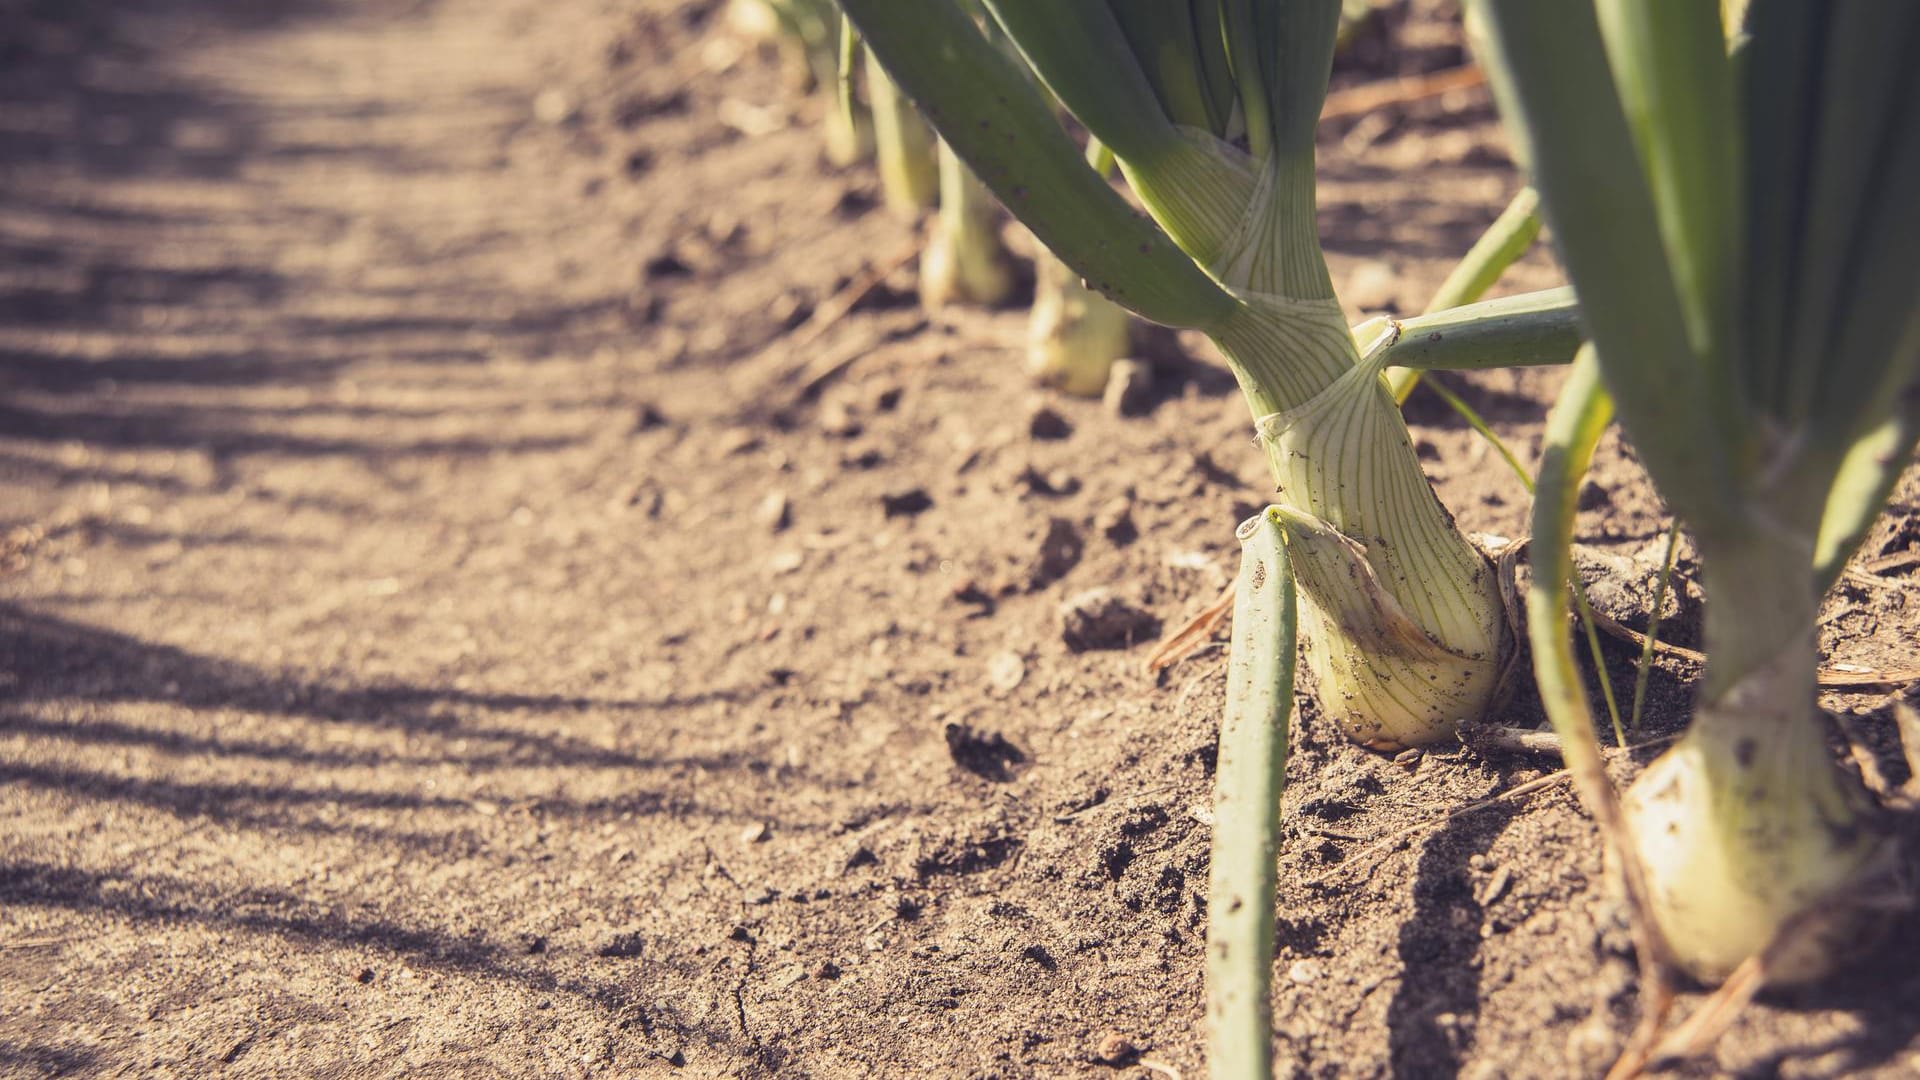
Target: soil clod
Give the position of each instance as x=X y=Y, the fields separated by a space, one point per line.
x=906 y=502
x=1060 y=551
x=1115 y=1050
x=1099 y=619
x=1045 y=423
x=986 y=754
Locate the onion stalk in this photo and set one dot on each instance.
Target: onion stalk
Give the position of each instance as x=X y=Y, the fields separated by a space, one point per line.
x=903 y=146
x=1742 y=233
x=1248 y=779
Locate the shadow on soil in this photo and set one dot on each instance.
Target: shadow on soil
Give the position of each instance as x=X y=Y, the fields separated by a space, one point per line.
x=1432 y=1015
x=123 y=310
x=53 y=660
x=161 y=900
x=27 y=1059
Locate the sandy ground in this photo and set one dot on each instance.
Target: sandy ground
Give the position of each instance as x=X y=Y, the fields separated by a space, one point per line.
x=443 y=634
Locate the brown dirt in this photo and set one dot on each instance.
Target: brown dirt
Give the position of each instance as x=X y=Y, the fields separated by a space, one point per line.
x=400 y=675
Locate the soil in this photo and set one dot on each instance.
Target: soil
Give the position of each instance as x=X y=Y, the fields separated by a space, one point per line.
x=452 y=622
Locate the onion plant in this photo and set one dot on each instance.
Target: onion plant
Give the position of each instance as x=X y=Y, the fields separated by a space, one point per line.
x=1209 y=107
x=1737 y=212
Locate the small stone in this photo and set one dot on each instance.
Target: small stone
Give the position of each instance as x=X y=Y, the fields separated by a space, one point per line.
x=754 y=833
x=1045 y=423
x=1114 y=1048
x=862 y=457
x=772 y=513
x=1129 y=389
x=1304 y=972
x=552 y=107
x=737 y=441
x=826 y=970
x=837 y=418
x=1097 y=619
x=786 y=562
x=1496 y=887
x=906 y=502
x=1005 y=670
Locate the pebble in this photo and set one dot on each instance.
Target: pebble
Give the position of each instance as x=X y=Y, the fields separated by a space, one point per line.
x=1114 y=1048
x=737 y=441
x=773 y=513
x=1304 y=972
x=1496 y=887
x=837 y=418
x=754 y=833
x=552 y=107
x=786 y=562
x=862 y=457
x=1005 y=671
